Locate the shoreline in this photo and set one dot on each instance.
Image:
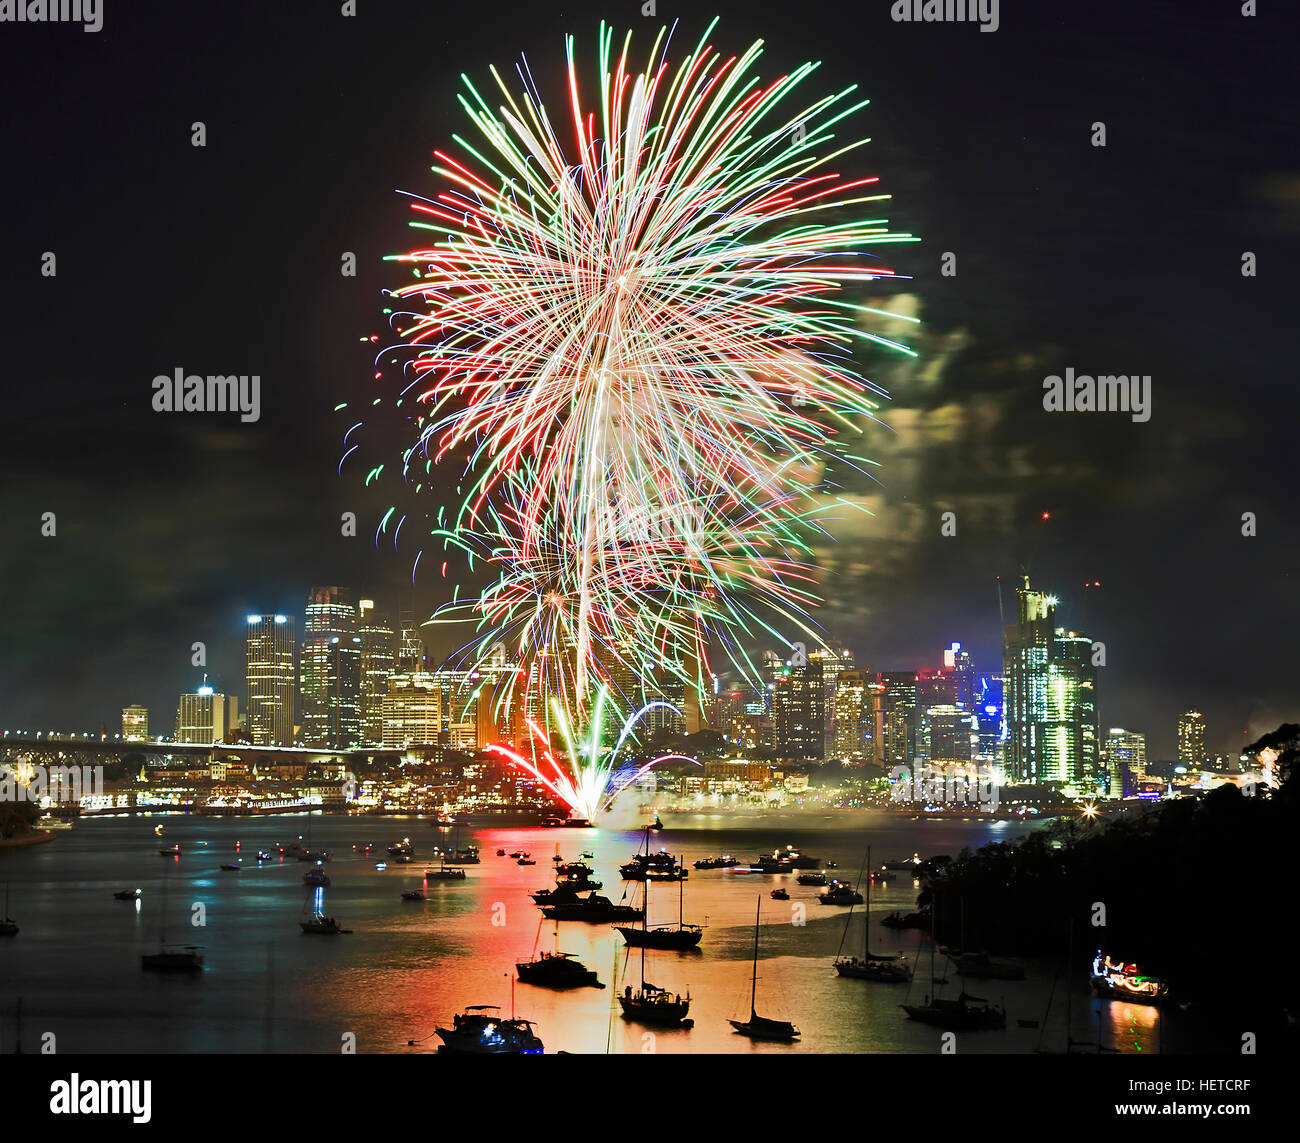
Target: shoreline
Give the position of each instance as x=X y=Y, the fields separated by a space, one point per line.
x=36 y=837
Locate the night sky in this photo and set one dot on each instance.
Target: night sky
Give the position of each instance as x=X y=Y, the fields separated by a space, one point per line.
x=225 y=259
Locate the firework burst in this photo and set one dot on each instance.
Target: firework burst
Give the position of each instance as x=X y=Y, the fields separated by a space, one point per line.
x=630 y=329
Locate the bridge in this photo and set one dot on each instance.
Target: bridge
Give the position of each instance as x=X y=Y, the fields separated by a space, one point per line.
x=32 y=746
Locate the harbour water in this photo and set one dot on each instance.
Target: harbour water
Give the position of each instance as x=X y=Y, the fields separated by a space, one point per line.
x=408 y=966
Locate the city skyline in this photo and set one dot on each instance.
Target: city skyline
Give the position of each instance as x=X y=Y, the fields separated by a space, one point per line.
x=403 y=642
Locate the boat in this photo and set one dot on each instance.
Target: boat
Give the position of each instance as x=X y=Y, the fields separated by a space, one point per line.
x=577 y=875
x=890 y=969
x=811 y=879
x=445 y=873
x=760 y=1027
x=127 y=895
x=557 y=970
x=414 y=895
x=469 y=855
x=651 y=1004
x=966 y=1013
x=840 y=893
x=478 y=1031
x=726 y=861
x=402 y=848
x=170 y=958
x=680 y=937
x=554 y=821
x=899 y=920
x=593 y=908
x=230 y=867
x=647 y=866
x=518 y=853
x=178 y=958
x=8 y=926
x=315 y=877
x=656 y=825
x=906 y=865
x=319 y=925
x=170 y=851
x=780 y=894
x=962 y=1014
x=561 y=894
x=525 y=860
x=783 y=861
x=263 y=855
x=1119 y=981
x=501 y=853
x=981 y=966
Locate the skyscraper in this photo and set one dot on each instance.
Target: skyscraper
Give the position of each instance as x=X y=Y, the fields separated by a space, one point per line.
x=947 y=736
x=331 y=670
x=204 y=717
x=853 y=730
x=896 y=732
x=270 y=677
x=1126 y=760
x=958 y=664
x=378 y=664
x=135 y=723
x=412 y=711
x=1191 y=739
x=834 y=659
x=1051 y=698
x=799 y=712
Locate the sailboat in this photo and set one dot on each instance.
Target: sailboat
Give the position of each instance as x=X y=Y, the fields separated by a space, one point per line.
x=681 y=938
x=651 y=1004
x=962 y=1014
x=760 y=1027
x=176 y=958
x=873 y=966
x=8 y=927
x=557 y=969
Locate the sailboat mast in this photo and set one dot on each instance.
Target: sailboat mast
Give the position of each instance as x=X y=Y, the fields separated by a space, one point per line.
x=753 y=988
x=681 y=893
x=645 y=921
x=866 y=919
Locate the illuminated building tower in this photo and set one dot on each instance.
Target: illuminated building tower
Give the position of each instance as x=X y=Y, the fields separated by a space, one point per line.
x=1126 y=760
x=771 y=667
x=947 y=736
x=378 y=664
x=799 y=712
x=957 y=663
x=898 y=723
x=853 y=731
x=330 y=682
x=1051 y=698
x=412 y=711
x=934 y=688
x=460 y=698
x=205 y=717
x=269 y=679
x=990 y=712
x=834 y=659
x=135 y=723
x=1191 y=740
